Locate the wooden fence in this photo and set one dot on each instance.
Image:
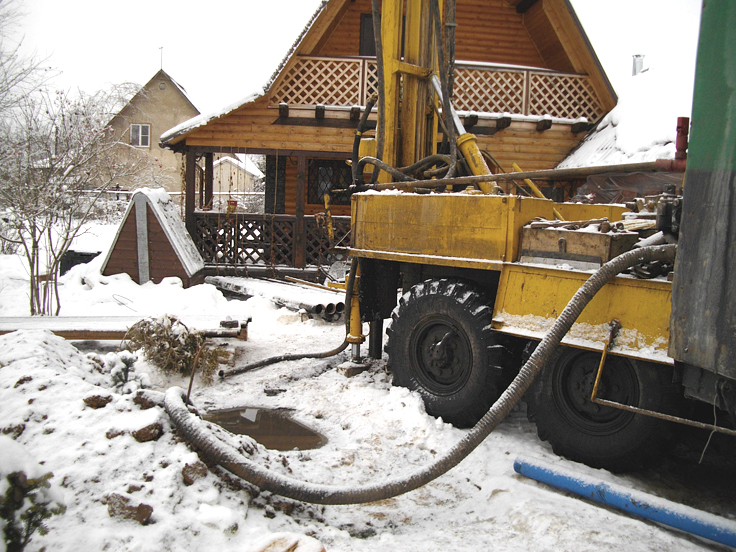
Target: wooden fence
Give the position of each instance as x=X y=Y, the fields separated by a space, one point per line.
x=265 y=240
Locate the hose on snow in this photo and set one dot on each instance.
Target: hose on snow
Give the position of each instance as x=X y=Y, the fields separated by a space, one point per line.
x=196 y=432
x=298 y=356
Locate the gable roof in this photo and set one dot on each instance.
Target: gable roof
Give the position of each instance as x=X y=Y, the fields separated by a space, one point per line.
x=551 y=25
x=138 y=96
x=169 y=219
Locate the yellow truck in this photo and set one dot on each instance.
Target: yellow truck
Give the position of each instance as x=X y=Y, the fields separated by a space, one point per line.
x=481 y=273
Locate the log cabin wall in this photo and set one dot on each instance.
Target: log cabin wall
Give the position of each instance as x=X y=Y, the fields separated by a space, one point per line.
x=489 y=31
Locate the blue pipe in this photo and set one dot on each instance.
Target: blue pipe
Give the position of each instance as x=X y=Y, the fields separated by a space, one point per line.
x=657 y=509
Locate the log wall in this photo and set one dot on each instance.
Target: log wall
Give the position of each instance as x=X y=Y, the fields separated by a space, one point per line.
x=488 y=30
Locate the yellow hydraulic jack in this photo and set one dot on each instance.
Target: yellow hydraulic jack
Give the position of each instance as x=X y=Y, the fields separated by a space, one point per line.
x=355 y=337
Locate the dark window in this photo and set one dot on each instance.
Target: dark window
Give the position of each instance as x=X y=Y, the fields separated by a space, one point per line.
x=325 y=175
x=275 y=184
x=367 y=38
x=367 y=45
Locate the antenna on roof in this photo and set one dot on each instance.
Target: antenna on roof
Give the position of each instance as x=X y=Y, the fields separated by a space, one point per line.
x=161 y=49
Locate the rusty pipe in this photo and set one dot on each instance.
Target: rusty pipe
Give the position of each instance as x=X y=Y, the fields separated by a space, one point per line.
x=661 y=165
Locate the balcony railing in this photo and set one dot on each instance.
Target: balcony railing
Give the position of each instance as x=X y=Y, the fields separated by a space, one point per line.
x=479 y=88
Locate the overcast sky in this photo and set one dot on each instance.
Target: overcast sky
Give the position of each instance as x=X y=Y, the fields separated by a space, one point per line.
x=223 y=50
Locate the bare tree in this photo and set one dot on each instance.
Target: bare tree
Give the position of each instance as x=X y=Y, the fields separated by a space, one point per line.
x=57 y=158
x=18 y=74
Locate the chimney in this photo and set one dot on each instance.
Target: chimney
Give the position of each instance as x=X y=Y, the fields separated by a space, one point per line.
x=638 y=64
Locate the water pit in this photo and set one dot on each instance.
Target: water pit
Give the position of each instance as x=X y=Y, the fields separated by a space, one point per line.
x=272 y=428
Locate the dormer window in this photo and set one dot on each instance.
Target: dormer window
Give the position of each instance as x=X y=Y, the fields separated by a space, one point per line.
x=140 y=136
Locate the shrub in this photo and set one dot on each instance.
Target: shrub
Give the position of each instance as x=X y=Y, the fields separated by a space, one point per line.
x=24 y=506
x=170 y=346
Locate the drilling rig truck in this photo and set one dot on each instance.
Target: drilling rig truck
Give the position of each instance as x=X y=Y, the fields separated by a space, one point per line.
x=481 y=272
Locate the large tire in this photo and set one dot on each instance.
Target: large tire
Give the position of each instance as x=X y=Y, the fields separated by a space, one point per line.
x=440 y=343
x=601 y=436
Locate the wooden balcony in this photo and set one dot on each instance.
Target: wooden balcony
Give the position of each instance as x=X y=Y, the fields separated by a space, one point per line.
x=479 y=88
x=236 y=240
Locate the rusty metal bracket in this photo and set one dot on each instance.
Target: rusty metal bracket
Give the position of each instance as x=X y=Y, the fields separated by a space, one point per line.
x=615 y=327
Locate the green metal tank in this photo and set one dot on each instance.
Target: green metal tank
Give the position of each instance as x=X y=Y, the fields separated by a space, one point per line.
x=703 y=321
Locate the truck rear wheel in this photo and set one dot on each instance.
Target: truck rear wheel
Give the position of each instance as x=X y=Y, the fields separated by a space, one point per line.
x=601 y=436
x=441 y=345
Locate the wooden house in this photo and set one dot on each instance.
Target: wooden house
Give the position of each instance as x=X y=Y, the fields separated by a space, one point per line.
x=527 y=83
x=158 y=106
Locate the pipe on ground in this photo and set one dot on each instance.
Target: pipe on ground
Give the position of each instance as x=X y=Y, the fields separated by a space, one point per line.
x=196 y=432
x=641 y=504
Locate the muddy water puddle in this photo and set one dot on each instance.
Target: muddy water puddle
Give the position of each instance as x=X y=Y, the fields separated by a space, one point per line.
x=274 y=429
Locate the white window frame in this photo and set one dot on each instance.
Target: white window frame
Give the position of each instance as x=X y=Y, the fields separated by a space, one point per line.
x=138 y=138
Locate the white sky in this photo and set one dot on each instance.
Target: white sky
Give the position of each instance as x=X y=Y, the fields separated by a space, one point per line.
x=223 y=50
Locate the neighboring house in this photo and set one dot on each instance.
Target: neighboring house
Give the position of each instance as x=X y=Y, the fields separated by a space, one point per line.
x=527 y=83
x=156 y=107
x=235 y=175
x=237 y=185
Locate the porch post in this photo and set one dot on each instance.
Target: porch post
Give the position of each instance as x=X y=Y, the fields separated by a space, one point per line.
x=189 y=192
x=209 y=173
x=300 y=256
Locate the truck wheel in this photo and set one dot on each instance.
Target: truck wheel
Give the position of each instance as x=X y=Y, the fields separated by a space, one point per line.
x=441 y=345
x=601 y=436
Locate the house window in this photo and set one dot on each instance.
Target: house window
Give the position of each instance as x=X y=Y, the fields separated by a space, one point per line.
x=140 y=136
x=325 y=175
x=367 y=45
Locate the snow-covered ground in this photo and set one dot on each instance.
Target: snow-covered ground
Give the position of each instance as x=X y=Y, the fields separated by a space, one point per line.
x=373 y=431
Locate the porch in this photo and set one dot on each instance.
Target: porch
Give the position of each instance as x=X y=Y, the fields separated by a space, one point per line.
x=265 y=241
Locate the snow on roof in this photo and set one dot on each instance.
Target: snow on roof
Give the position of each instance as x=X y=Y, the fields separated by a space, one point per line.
x=168 y=217
x=244 y=163
x=642 y=127
x=203 y=119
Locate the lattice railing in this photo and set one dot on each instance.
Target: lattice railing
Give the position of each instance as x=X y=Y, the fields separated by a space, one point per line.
x=490 y=91
x=327 y=81
x=485 y=89
x=237 y=239
x=568 y=96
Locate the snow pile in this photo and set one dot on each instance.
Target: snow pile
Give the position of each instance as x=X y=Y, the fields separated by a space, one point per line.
x=94 y=456
x=374 y=432
x=642 y=127
x=85 y=292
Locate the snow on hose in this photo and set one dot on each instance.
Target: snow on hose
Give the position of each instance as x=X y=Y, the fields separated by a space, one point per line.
x=641 y=504
x=196 y=432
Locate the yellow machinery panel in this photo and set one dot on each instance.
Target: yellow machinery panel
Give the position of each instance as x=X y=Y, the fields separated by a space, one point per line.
x=451 y=229
x=530 y=298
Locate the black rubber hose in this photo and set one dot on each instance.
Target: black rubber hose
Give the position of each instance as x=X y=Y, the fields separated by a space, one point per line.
x=396 y=173
x=298 y=356
x=195 y=430
x=426 y=162
x=358 y=176
x=446 y=92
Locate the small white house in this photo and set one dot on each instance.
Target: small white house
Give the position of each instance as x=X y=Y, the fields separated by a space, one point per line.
x=235 y=175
